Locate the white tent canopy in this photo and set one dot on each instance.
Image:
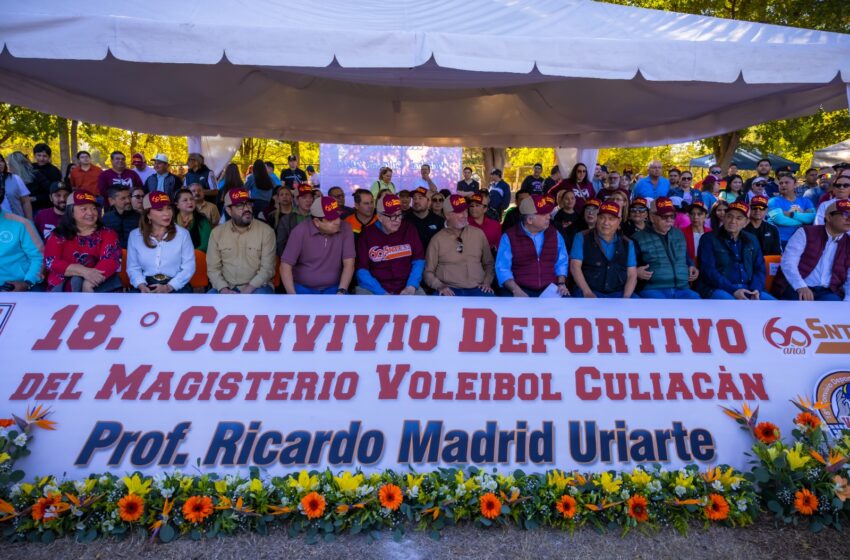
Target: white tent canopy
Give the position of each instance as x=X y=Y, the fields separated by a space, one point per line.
x=476 y=72
x=832 y=155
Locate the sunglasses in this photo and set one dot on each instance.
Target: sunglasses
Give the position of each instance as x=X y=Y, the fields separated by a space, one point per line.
x=393 y=218
x=459 y=244
x=839 y=213
x=437 y=199
x=686 y=179
x=841 y=185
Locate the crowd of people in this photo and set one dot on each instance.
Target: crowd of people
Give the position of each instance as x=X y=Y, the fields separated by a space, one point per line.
x=604 y=234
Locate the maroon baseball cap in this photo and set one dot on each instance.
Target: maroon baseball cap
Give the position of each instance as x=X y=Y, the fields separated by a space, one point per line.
x=538 y=204
x=83 y=197
x=304 y=189
x=839 y=206
x=709 y=180
x=593 y=203
x=325 y=207
x=455 y=203
x=640 y=202
x=156 y=201
x=137 y=157
x=610 y=207
x=420 y=191
x=759 y=202
x=476 y=199
x=236 y=196
x=740 y=207
x=390 y=205
x=663 y=206
x=698 y=204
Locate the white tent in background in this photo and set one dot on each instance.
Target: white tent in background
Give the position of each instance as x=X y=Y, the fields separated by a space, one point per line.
x=831 y=155
x=475 y=72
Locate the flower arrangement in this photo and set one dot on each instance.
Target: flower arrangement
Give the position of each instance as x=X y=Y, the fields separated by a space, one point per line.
x=804 y=480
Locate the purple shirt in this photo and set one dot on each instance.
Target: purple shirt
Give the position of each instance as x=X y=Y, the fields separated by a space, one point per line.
x=316 y=259
x=46 y=221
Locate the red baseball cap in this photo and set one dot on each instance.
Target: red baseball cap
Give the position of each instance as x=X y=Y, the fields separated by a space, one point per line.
x=325 y=207
x=610 y=207
x=698 y=204
x=476 y=199
x=304 y=189
x=455 y=203
x=390 y=204
x=593 y=202
x=839 y=206
x=537 y=204
x=759 y=202
x=420 y=191
x=156 y=201
x=663 y=206
x=83 y=197
x=137 y=157
x=640 y=201
x=740 y=207
x=236 y=196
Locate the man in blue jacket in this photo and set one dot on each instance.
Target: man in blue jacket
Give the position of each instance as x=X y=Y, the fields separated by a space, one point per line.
x=731 y=261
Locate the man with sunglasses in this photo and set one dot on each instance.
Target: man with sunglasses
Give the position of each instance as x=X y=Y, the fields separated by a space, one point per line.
x=767 y=234
x=426 y=222
x=532 y=255
x=458 y=259
x=816 y=260
x=390 y=258
x=840 y=191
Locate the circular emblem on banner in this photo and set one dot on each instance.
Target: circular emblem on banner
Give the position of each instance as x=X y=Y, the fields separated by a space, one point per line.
x=834 y=389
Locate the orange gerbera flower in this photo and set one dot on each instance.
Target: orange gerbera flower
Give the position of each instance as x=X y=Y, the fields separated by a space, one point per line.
x=131 y=507
x=390 y=496
x=44 y=504
x=717 y=508
x=197 y=508
x=567 y=506
x=805 y=502
x=313 y=505
x=807 y=420
x=6 y=422
x=638 y=508
x=491 y=506
x=767 y=432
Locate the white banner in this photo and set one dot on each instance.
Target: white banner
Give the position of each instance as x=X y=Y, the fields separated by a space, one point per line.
x=285 y=382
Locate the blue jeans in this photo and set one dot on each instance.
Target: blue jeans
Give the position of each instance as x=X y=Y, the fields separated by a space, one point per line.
x=469 y=292
x=723 y=294
x=820 y=293
x=613 y=295
x=265 y=289
x=669 y=293
x=304 y=290
x=187 y=289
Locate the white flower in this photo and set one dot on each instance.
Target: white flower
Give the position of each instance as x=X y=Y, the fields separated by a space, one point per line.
x=107 y=526
x=81 y=526
x=735 y=485
x=50 y=489
x=573 y=490
x=103 y=480
x=76 y=511
x=461 y=490
x=654 y=486
x=680 y=490
x=625 y=494
x=413 y=491
x=16 y=490
x=167 y=492
x=742 y=505
x=717 y=485
x=80 y=486
x=21 y=440
x=514 y=490
x=119 y=482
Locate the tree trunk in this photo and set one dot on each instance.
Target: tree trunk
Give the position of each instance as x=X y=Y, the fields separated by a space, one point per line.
x=75 y=144
x=296 y=150
x=134 y=143
x=64 y=147
x=724 y=147
x=494 y=158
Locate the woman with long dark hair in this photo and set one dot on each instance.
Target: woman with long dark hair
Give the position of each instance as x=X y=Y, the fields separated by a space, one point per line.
x=17 y=200
x=81 y=255
x=579 y=183
x=734 y=189
x=192 y=219
x=232 y=180
x=282 y=205
x=260 y=186
x=160 y=255
x=718 y=211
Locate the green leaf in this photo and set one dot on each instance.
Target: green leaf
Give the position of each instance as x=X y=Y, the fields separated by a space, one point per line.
x=398 y=534
x=329 y=537
x=167 y=533
x=195 y=535
x=16 y=476
x=48 y=537
x=816 y=526
x=434 y=535
x=484 y=521
x=761 y=474
x=774 y=506
x=506 y=509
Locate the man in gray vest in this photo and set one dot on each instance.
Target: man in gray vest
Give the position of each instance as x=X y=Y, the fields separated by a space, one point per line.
x=663 y=262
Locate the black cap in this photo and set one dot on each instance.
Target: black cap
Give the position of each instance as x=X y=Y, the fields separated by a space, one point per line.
x=57 y=186
x=496 y=172
x=603 y=168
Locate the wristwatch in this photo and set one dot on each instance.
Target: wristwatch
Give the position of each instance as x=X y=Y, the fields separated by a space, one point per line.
x=342 y=291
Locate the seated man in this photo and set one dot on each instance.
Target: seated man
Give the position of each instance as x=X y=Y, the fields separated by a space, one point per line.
x=319 y=257
x=364 y=211
x=664 y=265
x=390 y=259
x=479 y=219
x=767 y=234
x=46 y=220
x=240 y=254
x=603 y=261
x=731 y=261
x=789 y=211
x=458 y=259
x=426 y=222
x=21 y=252
x=121 y=218
x=300 y=213
x=532 y=254
x=815 y=262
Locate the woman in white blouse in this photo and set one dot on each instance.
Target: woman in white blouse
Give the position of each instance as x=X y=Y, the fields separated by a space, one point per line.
x=160 y=254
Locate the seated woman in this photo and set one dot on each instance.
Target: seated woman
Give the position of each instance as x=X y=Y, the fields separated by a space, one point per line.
x=586 y=221
x=603 y=263
x=638 y=217
x=81 y=255
x=191 y=219
x=160 y=255
x=696 y=229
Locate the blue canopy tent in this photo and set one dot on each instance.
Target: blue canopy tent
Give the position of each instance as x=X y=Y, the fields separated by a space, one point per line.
x=747 y=160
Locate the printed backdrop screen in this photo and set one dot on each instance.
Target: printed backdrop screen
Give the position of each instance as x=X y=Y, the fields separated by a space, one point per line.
x=353 y=167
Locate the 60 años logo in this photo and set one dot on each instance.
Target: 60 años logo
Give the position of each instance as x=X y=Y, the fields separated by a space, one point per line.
x=791 y=340
x=831 y=338
x=834 y=389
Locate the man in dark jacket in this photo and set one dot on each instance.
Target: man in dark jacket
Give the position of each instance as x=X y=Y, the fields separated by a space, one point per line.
x=121 y=218
x=731 y=261
x=45 y=174
x=766 y=233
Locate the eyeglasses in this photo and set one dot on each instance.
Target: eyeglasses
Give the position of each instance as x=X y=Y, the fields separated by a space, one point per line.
x=240 y=205
x=716 y=172
x=459 y=244
x=437 y=199
x=841 y=185
x=839 y=213
x=686 y=179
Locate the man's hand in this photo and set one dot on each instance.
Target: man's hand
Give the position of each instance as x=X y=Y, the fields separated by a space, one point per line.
x=562 y=290
x=20 y=286
x=446 y=291
x=740 y=294
x=806 y=294
x=227 y=291
x=693 y=272
x=247 y=289
x=486 y=288
x=162 y=289
x=643 y=272
x=143 y=288
x=408 y=291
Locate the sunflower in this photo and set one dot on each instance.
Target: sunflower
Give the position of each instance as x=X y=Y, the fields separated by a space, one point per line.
x=390 y=496
x=313 y=505
x=638 y=508
x=131 y=507
x=491 y=506
x=766 y=432
x=43 y=504
x=807 y=420
x=717 y=508
x=567 y=506
x=197 y=508
x=805 y=502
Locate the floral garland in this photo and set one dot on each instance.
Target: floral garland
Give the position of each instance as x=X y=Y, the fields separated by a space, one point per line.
x=793 y=481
